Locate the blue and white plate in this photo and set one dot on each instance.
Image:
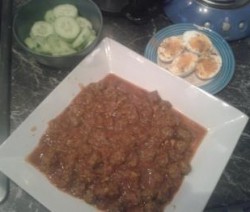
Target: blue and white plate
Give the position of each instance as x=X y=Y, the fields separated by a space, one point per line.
x=213 y=85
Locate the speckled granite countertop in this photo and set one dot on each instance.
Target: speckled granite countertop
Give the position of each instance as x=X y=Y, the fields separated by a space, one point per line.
x=32 y=82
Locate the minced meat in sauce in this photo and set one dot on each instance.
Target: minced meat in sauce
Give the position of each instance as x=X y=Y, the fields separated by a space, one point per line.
x=118 y=147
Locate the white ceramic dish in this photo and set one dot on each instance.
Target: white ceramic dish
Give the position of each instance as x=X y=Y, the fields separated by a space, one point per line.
x=223 y=122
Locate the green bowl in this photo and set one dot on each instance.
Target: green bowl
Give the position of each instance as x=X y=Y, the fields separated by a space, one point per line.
x=34 y=10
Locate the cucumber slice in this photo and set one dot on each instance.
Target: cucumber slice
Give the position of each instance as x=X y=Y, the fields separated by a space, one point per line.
x=91 y=39
x=42 y=29
x=58 y=46
x=82 y=38
x=30 y=42
x=67 y=28
x=83 y=22
x=65 y=10
x=49 y=16
x=42 y=45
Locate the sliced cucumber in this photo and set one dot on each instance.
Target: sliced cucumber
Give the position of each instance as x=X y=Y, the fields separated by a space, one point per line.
x=59 y=46
x=65 y=10
x=30 y=42
x=91 y=39
x=61 y=32
x=82 y=38
x=42 y=29
x=49 y=16
x=41 y=45
x=67 y=28
x=83 y=22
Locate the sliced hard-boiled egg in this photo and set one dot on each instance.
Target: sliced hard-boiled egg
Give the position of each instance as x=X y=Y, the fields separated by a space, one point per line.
x=170 y=48
x=208 y=66
x=197 y=42
x=184 y=64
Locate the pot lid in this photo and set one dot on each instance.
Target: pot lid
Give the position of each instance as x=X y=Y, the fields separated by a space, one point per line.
x=225 y=4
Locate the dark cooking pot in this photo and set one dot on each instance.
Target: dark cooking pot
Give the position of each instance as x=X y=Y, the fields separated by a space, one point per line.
x=113 y=6
x=137 y=11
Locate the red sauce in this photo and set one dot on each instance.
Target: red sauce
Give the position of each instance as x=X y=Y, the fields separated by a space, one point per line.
x=118 y=147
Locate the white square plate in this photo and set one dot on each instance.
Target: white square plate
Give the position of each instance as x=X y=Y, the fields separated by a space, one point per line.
x=223 y=122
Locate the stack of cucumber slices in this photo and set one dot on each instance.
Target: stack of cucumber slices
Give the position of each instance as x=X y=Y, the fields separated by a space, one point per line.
x=62 y=32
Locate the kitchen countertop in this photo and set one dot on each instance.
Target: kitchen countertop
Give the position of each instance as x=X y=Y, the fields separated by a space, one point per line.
x=32 y=82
